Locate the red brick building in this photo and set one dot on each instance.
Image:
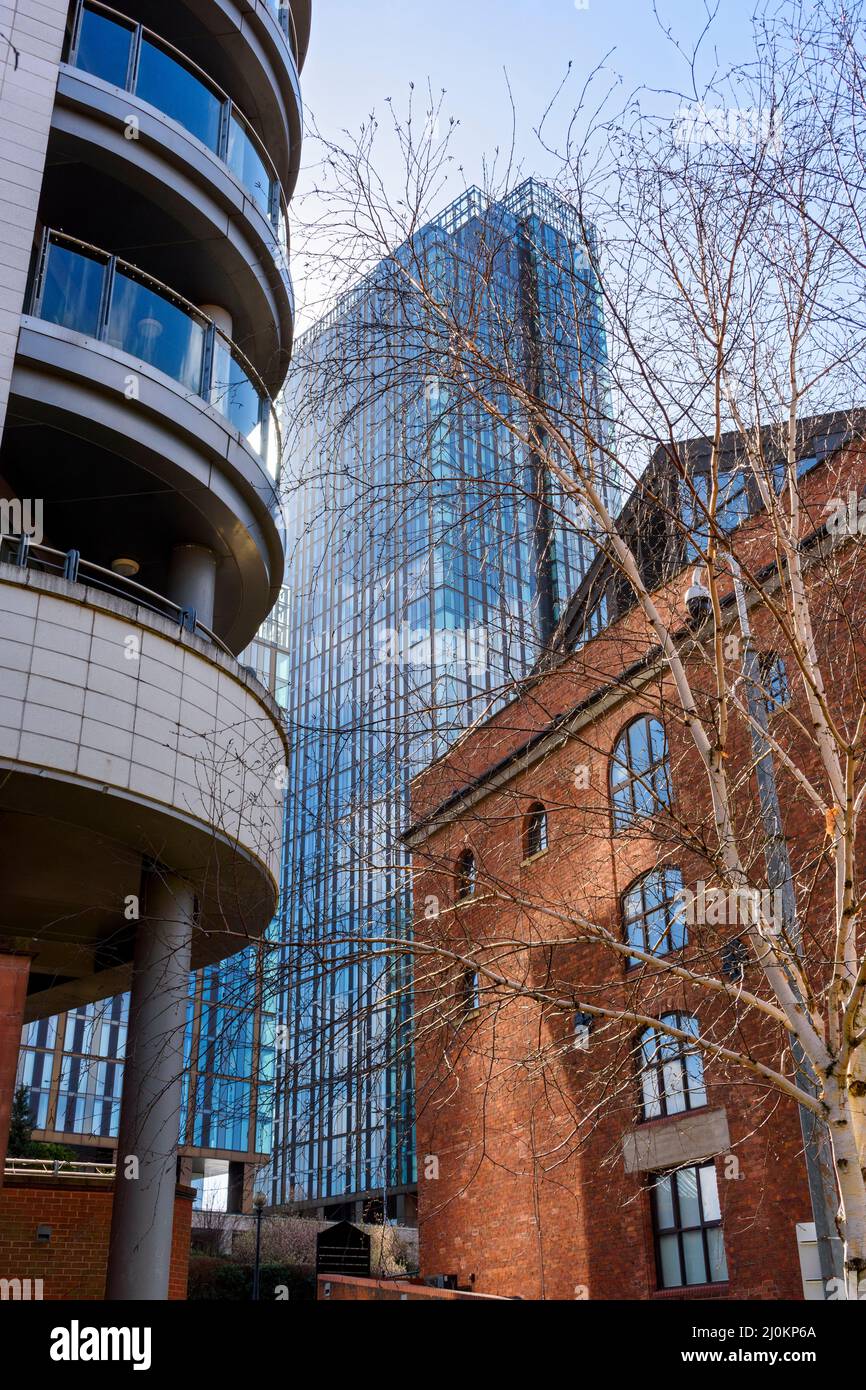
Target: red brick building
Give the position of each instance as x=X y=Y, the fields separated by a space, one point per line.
x=563 y=1152
x=54 y=1234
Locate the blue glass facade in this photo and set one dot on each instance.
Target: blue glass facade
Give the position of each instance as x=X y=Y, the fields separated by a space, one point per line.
x=429 y=557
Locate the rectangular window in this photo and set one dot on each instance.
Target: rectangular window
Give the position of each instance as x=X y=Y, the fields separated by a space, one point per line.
x=687 y=1222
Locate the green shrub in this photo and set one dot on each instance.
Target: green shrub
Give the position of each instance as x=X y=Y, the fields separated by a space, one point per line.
x=219 y=1279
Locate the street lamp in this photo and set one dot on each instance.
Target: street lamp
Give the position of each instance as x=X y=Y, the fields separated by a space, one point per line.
x=822 y=1188
x=259 y=1203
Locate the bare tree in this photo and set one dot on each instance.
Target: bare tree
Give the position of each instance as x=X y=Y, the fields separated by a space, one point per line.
x=721 y=228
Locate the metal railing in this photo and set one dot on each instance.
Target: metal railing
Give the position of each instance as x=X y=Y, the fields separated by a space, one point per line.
x=57 y=1167
x=83 y=288
x=68 y=564
x=286 y=20
x=108 y=44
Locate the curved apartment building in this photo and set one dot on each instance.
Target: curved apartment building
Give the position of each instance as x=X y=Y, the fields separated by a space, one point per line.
x=146 y=320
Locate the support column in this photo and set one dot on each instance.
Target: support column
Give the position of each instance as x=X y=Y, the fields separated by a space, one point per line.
x=147 y=1146
x=14 y=971
x=192 y=580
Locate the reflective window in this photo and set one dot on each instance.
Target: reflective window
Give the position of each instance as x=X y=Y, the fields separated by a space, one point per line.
x=72 y=290
x=112 y=50
x=594 y=622
x=774 y=681
x=104 y=48
x=687 y=1222
x=172 y=88
x=34 y=1073
x=653 y=916
x=671 y=1071
x=91 y=1075
x=147 y=325
x=247 y=165
x=235 y=396
x=639 y=779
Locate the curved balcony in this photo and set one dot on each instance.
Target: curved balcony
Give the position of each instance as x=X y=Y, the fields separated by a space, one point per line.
x=124 y=390
x=22 y=552
x=90 y=291
x=286 y=20
x=108 y=45
x=239 y=47
x=125 y=739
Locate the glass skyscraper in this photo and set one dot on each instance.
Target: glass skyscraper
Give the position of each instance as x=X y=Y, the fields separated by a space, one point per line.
x=429 y=559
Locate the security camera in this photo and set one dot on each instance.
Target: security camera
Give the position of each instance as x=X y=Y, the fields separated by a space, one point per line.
x=697 y=600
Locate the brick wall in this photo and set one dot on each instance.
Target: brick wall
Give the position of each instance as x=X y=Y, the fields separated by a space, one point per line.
x=73 y=1264
x=523 y=1181
x=337 y=1288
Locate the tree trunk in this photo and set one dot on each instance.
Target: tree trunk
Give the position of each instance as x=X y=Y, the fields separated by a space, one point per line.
x=852 y=1188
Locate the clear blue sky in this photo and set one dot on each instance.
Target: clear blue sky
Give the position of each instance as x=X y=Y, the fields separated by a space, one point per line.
x=365 y=50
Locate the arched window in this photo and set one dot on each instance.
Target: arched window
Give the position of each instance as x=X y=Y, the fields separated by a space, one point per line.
x=466 y=875
x=639 y=776
x=671 y=1071
x=534 y=831
x=653 y=913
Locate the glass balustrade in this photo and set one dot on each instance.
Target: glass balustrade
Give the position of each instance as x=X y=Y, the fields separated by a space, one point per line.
x=92 y=292
x=283 y=15
x=250 y=169
x=145 y=324
x=129 y=56
x=174 y=89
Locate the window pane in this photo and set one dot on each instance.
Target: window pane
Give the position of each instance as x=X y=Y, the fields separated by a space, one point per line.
x=145 y=324
x=172 y=88
x=103 y=48
x=664 y=1205
x=619 y=767
x=656 y=929
x=687 y=1194
x=695 y=1081
x=72 y=290
x=669 y=1257
x=657 y=734
x=651 y=1101
x=638 y=745
x=644 y=796
x=710 y=1194
x=235 y=396
x=675 y=1101
x=677 y=920
x=246 y=164
x=693 y=1254
x=634 y=935
x=718 y=1263
x=622 y=808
